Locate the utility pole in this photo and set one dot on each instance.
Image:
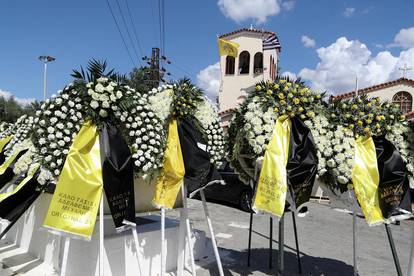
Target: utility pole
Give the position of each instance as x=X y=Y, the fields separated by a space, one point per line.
x=157 y=72
x=155 y=66
x=45 y=60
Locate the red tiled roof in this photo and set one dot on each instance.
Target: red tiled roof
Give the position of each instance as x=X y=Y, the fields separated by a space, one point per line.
x=251 y=30
x=373 y=88
x=366 y=90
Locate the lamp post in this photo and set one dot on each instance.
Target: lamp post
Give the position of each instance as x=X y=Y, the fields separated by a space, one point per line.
x=45 y=60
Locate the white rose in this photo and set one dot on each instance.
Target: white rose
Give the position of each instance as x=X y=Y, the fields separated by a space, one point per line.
x=109 y=88
x=99 y=88
x=102 y=80
x=103 y=113
x=118 y=94
x=105 y=104
x=113 y=98
x=94 y=104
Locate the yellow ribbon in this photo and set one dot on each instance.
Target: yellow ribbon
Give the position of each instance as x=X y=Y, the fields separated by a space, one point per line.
x=9 y=160
x=21 y=184
x=4 y=141
x=169 y=182
x=365 y=178
x=271 y=190
x=75 y=203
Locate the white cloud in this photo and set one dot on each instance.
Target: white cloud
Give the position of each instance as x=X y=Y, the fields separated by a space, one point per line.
x=308 y=42
x=288 y=5
x=405 y=38
x=22 y=101
x=341 y=61
x=209 y=80
x=348 y=12
x=241 y=10
x=290 y=75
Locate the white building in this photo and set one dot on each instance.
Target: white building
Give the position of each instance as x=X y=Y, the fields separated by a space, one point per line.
x=400 y=91
x=257 y=60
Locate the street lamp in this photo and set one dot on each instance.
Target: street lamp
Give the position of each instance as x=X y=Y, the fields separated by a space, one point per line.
x=45 y=60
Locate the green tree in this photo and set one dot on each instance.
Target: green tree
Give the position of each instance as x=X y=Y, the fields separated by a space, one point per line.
x=141 y=79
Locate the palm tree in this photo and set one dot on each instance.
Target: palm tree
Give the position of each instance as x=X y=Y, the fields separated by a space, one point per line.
x=96 y=69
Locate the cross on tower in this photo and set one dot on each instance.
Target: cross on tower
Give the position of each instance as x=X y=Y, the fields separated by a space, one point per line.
x=405 y=69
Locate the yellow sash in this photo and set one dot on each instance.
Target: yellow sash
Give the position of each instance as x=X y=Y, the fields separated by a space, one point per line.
x=24 y=181
x=4 y=141
x=365 y=178
x=75 y=203
x=171 y=178
x=271 y=190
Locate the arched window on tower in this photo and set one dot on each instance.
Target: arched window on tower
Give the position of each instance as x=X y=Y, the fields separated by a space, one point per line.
x=230 y=61
x=244 y=62
x=404 y=100
x=258 y=63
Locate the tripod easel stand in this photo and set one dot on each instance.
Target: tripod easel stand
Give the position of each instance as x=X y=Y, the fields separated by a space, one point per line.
x=188 y=234
x=101 y=245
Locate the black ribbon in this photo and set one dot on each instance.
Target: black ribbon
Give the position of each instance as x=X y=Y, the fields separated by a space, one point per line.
x=199 y=171
x=118 y=175
x=8 y=173
x=393 y=188
x=302 y=163
x=14 y=206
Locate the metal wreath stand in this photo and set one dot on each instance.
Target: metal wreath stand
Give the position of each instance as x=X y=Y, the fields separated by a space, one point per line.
x=280 y=262
x=185 y=233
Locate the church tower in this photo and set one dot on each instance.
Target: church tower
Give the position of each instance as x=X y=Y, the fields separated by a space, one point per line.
x=257 y=60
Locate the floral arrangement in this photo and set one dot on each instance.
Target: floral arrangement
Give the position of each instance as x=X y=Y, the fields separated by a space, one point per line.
x=100 y=97
x=20 y=130
x=4 y=126
x=184 y=100
x=145 y=134
x=27 y=159
x=58 y=122
x=345 y=120
x=252 y=124
x=335 y=149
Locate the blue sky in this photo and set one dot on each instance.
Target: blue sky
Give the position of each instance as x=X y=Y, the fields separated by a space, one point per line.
x=326 y=42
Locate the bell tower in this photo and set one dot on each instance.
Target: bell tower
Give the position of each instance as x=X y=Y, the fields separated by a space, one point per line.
x=257 y=60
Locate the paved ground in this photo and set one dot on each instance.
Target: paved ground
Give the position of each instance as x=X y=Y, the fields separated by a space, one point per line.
x=325 y=239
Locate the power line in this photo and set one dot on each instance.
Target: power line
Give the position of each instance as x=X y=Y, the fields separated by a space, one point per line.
x=134 y=29
x=160 y=24
x=128 y=33
x=163 y=26
x=120 y=33
x=153 y=12
x=182 y=70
